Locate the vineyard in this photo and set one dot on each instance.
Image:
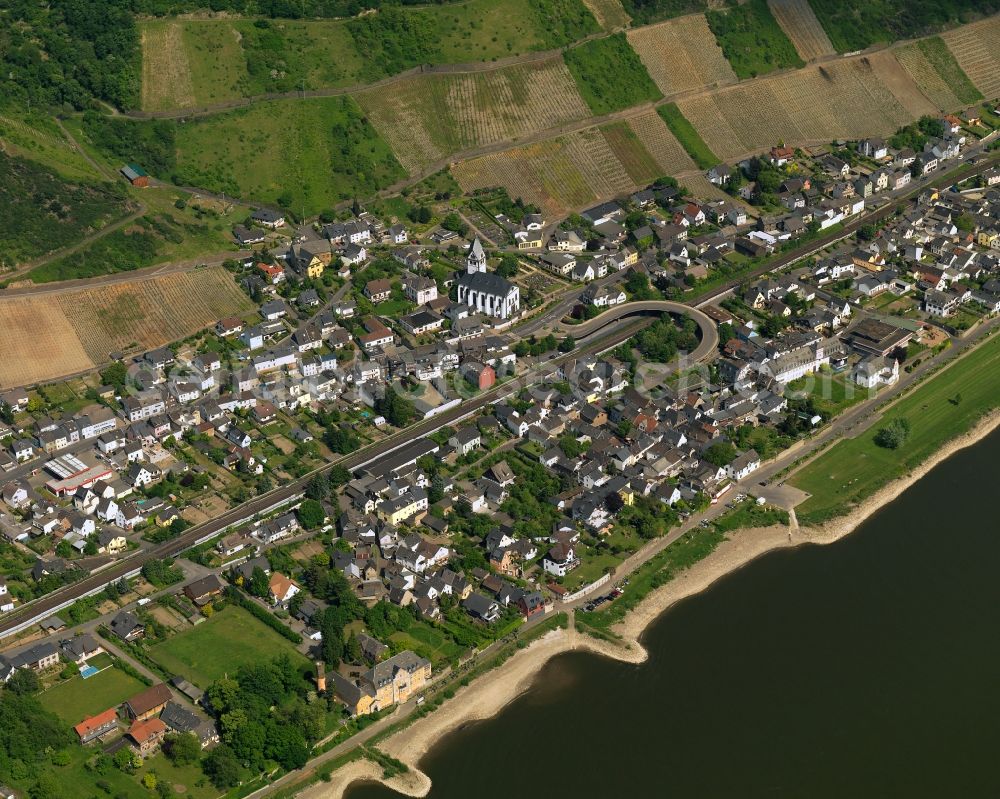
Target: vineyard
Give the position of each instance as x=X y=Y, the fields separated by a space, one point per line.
x=53 y=335
x=681 y=54
x=560 y=175
x=913 y=60
x=166 y=73
x=843 y=99
x=610 y=14
x=428 y=117
x=640 y=165
x=976 y=47
x=38 y=342
x=797 y=19
x=660 y=143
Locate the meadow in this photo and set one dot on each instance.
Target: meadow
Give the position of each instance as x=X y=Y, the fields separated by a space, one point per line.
x=304 y=155
x=944 y=407
x=76 y=698
x=220 y=645
x=752 y=40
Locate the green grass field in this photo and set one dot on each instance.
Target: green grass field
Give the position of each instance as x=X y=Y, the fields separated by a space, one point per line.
x=940 y=57
x=610 y=75
x=77 y=698
x=941 y=409
x=220 y=646
x=687 y=136
x=428 y=641
x=833 y=393
x=752 y=40
x=304 y=155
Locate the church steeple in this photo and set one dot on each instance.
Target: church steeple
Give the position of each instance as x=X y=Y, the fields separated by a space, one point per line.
x=476 y=261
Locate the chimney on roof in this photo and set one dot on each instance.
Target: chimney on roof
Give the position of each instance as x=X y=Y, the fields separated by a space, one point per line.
x=320 y=676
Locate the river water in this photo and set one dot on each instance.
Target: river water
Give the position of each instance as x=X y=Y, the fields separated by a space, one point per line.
x=868 y=668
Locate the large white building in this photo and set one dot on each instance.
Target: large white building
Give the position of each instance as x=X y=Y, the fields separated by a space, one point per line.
x=485 y=292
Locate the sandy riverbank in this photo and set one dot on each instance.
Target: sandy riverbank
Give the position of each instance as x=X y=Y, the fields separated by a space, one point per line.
x=487 y=696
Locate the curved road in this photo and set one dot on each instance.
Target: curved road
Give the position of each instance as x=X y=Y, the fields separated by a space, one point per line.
x=708 y=334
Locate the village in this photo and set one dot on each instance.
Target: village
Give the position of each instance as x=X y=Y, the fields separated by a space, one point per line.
x=375 y=581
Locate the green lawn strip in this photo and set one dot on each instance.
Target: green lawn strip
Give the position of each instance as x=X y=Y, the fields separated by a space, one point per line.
x=658 y=570
x=833 y=393
x=304 y=155
x=940 y=57
x=752 y=40
x=748 y=514
x=943 y=407
x=688 y=137
x=75 y=699
x=610 y=75
x=220 y=645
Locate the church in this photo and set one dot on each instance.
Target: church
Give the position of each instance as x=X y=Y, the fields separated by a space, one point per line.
x=485 y=292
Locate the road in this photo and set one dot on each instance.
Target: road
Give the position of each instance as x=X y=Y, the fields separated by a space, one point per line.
x=40 y=608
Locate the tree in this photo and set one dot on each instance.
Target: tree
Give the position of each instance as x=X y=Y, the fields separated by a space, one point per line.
x=222 y=767
x=311 y=514
x=720 y=453
x=182 y=749
x=339 y=476
x=24 y=682
x=508 y=266
x=115 y=375
x=867 y=232
x=126 y=760
x=398 y=410
x=319 y=487
x=353 y=649
x=568 y=344
x=258 y=585
x=894 y=434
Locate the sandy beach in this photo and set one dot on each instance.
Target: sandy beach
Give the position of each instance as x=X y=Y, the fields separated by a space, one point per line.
x=487 y=696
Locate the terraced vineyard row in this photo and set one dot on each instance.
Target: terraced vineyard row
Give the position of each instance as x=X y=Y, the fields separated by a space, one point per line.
x=560 y=175
x=797 y=19
x=610 y=14
x=912 y=59
x=842 y=99
x=642 y=168
x=976 y=47
x=681 y=54
x=149 y=313
x=656 y=137
x=428 y=117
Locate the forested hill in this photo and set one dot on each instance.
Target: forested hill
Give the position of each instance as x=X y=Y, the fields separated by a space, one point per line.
x=276 y=9
x=67 y=52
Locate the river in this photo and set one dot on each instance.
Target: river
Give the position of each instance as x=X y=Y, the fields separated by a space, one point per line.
x=867 y=668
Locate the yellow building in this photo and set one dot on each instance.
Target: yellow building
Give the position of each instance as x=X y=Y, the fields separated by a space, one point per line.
x=399 y=509
x=988 y=238
x=390 y=682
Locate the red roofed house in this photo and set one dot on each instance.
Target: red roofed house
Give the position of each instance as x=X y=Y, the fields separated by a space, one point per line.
x=96 y=726
x=273 y=273
x=282 y=588
x=147 y=735
x=779 y=156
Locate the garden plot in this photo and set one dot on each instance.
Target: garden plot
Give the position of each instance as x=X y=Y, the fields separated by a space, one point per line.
x=429 y=117
x=656 y=137
x=681 y=54
x=798 y=21
x=976 y=47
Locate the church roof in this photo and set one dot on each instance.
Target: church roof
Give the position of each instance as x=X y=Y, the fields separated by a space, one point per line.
x=487 y=282
x=477 y=249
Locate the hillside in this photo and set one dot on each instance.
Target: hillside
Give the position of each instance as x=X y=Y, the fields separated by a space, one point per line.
x=44 y=212
x=196 y=62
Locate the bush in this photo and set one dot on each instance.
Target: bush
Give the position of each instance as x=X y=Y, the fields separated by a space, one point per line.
x=894 y=434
